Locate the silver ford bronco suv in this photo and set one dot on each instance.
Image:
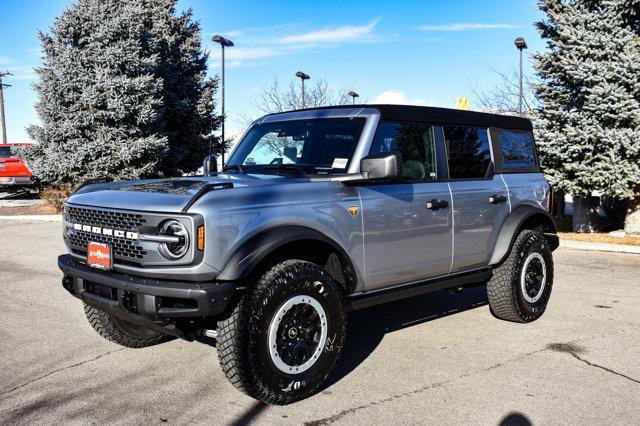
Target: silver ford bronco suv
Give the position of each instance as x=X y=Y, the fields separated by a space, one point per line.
x=317 y=212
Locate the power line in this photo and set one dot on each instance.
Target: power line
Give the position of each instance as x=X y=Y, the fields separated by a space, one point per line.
x=2 y=116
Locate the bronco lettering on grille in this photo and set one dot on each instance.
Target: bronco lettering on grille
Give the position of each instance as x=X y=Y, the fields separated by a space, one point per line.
x=106 y=231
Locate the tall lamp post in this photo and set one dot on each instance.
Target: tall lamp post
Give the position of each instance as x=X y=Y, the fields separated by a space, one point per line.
x=223 y=43
x=302 y=76
x=520 y=45
x=353 y=95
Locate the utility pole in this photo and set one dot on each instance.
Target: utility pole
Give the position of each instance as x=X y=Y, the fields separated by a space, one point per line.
x=4 y=122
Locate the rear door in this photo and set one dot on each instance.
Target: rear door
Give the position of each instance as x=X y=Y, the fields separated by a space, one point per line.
x=407 y=224
x=480 y=198
x=518 y=164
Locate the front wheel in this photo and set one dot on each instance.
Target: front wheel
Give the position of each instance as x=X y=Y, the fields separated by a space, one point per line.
x=285 y=335
x=520 y=287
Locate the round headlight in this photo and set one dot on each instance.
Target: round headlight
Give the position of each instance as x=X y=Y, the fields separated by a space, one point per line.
x=174 y=250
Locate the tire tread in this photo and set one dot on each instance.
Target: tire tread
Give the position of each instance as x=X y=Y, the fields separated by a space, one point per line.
x=106 y=327
x=501 y=289
x=232 y=342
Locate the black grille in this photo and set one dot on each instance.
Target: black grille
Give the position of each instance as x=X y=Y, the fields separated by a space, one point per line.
x=120 y=246
x=105 y=219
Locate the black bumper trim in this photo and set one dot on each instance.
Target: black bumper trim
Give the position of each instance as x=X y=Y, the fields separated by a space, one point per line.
x=206 y=299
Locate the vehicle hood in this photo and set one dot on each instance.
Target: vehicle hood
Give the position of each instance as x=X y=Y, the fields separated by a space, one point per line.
x=165 y=195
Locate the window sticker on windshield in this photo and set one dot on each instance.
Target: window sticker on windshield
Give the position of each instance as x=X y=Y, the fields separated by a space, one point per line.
x=340 y=163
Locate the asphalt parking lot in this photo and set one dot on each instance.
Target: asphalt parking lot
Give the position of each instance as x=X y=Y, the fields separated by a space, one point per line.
x=435 y=359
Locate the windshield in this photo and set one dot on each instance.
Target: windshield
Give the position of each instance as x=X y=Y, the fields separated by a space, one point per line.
x=5 y=151
x=315 y=146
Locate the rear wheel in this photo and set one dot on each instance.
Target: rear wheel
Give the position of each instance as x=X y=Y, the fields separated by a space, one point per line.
x=285 y=335
x=122 y=332
x=520 y=287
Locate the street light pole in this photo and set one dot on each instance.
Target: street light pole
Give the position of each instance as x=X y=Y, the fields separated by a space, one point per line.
x=223 y=43
x=520 y=45
x=353 y=95
x=302 y=76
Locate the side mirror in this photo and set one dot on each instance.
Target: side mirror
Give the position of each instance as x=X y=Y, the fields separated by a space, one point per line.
x=210 y=165
x=384 y=166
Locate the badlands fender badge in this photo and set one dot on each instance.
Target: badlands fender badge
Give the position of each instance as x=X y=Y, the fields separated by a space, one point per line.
x=99 y=256
x=354 y=210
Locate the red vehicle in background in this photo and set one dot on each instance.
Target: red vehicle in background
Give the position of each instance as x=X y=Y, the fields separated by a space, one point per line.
x=15 y=176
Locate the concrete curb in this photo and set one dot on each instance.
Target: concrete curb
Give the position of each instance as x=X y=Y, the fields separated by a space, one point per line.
x=20 y=203
x=615 y=248
x=34 y=218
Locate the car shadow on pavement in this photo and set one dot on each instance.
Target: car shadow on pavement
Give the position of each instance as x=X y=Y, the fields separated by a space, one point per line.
x=250 y=414
x=366 y=328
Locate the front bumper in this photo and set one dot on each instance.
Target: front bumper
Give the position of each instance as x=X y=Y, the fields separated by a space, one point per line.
x=156 y=304
x=16 y=181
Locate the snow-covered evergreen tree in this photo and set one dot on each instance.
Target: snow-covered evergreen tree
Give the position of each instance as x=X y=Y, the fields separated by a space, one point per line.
x=589 y=121
x=122 y=92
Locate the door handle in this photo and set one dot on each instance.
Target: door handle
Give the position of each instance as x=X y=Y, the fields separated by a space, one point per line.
x=497 y=199
x=437 y=204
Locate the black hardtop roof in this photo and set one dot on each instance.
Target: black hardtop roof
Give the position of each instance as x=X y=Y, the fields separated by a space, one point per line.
x=424 y=114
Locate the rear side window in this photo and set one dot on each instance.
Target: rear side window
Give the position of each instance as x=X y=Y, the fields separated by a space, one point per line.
x=517 y=150
x=415 y=143
x=468 y=151
x=5 y=151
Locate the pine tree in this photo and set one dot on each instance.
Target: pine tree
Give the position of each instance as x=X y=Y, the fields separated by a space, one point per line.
x=589 y=121
x=122 y=92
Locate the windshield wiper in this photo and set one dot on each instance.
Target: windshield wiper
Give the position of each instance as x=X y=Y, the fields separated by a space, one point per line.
x=286 y=167
x=238 y=167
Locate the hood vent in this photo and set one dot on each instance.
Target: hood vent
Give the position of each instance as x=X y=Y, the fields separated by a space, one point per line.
x=207 y=188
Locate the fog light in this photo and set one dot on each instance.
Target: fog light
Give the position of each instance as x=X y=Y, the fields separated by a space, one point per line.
x=174 y=250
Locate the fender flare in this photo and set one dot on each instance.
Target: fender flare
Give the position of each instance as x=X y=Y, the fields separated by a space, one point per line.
x=258 y=247
x=512 y=226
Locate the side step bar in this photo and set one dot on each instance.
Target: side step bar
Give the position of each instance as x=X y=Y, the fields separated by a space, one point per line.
x=366 y=300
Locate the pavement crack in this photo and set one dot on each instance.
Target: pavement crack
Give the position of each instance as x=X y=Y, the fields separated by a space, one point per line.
x=57 y=370
x=608 y=370
x=343 y=413
x=575 y=351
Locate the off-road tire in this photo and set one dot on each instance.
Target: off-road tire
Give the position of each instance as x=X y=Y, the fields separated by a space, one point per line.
x=242 y=342
x=506 y=298
x=122 y=333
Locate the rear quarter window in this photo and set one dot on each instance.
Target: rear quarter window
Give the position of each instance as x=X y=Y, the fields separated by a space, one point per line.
x=517 y=150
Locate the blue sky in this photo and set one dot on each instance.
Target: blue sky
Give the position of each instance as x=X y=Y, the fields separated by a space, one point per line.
x=424 y=52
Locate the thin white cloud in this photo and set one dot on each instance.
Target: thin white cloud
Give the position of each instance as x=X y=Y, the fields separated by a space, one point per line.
x=347 y=33
x=393 y=96
x=244 y=53
x=22 y=72
x=464 y=26
x=252 y=47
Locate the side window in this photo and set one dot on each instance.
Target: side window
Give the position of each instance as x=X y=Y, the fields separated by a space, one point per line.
x=415 y=143
x=517 y=149
x=468 y=150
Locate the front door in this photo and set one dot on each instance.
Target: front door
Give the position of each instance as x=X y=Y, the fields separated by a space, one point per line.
x=407 y=225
